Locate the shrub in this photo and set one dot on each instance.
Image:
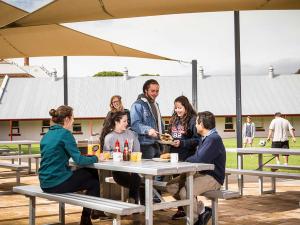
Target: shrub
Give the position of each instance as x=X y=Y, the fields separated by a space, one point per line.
x=108 y=74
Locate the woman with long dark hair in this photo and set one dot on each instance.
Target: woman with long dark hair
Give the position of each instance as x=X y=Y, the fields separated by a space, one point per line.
x=115 y=129
x=57 y=146
x=183 y=130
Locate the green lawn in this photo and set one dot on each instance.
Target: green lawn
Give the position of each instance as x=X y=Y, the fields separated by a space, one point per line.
x=250 y=161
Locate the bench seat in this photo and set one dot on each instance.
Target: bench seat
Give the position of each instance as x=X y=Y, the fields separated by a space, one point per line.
x=264 y=173
x=15 y=167
x=213 y=195
x=280 y=166
x=117 y=208
x=261 y=174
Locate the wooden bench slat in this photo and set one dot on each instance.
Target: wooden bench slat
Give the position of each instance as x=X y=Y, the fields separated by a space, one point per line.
x=263 y=173
x=107 y=205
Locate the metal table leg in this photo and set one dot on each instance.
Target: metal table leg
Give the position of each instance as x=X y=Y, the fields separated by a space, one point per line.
x=190 y=196
x=149 y=200
x=260 y=179
x=19 y=149
x=29 y=159
x=240 y=177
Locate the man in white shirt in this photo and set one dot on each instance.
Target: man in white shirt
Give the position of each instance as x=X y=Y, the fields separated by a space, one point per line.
x=280 y=127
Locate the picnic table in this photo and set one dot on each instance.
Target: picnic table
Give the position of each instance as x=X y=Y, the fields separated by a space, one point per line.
x=260 y=152
x=27 y=143
x=149 y=169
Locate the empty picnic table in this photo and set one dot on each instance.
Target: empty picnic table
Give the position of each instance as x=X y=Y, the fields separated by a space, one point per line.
x=28 y=143
x=260 y=152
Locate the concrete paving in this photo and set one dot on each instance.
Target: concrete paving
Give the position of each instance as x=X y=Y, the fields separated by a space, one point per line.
x=281 y=208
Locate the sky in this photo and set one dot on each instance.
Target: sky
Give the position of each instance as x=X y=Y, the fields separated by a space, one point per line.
x=267 y=38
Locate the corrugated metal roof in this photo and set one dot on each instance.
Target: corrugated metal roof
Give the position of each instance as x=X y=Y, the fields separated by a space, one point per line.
x=9 y=68
x=29 y=98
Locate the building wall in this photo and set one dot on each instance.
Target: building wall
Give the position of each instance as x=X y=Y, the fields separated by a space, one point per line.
x=264 y=122
x=31 y=130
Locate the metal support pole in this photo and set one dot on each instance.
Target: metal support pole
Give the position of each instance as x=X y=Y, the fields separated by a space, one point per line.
x=62 y=213
x=194 y=84
x=238 y=79
x=240 y=177
x=65 y=80
x=31 y=210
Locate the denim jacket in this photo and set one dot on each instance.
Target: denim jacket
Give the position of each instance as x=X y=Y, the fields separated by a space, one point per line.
x=142 y=120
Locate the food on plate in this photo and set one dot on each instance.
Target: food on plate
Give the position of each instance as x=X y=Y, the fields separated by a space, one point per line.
x=166 y=137
x=165 y=156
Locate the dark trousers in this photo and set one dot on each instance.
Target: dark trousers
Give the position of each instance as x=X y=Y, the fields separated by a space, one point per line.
x=280 y=144
x=132 y=181
x=82 y=179
x=150 y=151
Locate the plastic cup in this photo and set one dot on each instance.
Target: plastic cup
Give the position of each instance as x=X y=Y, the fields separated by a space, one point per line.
x=133 y=156
x=174 y=157
x=106 y=155
x=117 y=156
x=138 y=156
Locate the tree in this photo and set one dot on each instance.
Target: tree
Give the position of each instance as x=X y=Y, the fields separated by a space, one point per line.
x=109 y=74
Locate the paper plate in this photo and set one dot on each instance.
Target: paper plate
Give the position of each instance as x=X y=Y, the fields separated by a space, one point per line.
x=160 y=160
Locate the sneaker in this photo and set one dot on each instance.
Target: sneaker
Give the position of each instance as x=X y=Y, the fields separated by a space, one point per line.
x=85 y=220
x=156 y=199
x=96 y=214
x=180 y=214
x=204 y=217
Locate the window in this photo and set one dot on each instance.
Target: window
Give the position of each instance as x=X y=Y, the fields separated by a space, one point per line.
x=229 y=124
x=77 y=128
x=15 y=130
x=45 y=126
x=167 y=125
x=259 y=124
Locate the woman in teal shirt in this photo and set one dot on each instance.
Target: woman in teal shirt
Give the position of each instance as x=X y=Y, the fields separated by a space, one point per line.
x=57 y=146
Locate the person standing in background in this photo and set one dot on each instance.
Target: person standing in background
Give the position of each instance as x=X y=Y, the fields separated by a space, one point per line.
x=248 y=132
x=116 y=105
x=279 y=128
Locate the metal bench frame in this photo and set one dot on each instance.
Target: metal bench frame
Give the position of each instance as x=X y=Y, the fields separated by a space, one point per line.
x=18 y=168
x=260 y=174
x=107 y=205
x=213 y=195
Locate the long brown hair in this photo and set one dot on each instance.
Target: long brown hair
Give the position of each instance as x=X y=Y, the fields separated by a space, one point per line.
x=58 y=115
x=190 y=112
x=110 y=124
